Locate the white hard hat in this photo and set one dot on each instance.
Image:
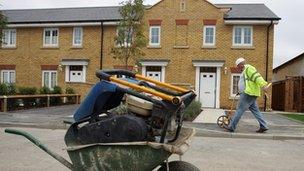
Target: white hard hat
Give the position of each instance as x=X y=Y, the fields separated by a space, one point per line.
x=238 y=61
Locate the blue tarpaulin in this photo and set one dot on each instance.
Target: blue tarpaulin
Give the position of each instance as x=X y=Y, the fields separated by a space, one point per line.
x=102 y=97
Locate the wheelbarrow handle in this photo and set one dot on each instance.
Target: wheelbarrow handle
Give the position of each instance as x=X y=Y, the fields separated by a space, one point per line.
x=106 y=74
x=40 y=145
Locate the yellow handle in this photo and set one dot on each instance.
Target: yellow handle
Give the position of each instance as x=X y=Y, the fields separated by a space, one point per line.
x=173 y=99
x=158 y=83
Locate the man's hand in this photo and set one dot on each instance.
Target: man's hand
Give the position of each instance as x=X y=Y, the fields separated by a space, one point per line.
x=265 y=88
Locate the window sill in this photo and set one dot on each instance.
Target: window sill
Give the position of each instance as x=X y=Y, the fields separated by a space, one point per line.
x=77 y=47
x=50 y=47
x=180 y=47
x=208 y=47
x=243 y=47
x=9 y=47
x=153 y=47
x=69 y=82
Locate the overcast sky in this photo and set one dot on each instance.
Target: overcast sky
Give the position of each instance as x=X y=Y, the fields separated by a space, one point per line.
x=289 y=33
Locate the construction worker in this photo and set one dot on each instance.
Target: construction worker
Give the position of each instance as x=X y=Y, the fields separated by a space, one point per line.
x=250 y=84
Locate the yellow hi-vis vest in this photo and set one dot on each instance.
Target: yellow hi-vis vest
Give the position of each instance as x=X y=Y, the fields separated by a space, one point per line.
x=253 y=81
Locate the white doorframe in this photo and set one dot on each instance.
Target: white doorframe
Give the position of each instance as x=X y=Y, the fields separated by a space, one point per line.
x=154 y=63
x=218 y=66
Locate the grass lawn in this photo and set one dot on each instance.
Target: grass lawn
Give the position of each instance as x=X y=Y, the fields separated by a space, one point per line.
x=296 y=117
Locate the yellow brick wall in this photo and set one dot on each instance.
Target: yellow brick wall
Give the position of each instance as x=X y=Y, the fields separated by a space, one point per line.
x=30 y=54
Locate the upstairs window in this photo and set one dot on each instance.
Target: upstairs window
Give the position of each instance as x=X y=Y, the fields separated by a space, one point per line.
x=209 y=36
x=50 y=37
x=8 y=76
x=242 y=36
x=154 y=36
x=77 y=36
x=9 y=38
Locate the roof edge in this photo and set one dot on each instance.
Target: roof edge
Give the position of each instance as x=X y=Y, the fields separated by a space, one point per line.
x=288 y=62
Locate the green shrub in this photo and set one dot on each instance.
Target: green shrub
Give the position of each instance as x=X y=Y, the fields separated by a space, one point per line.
x=192 y=111
x=56 y=90
x=27 y=90
x=3 y=89
x=11 y=89
x=44 y=90
x=69 y=90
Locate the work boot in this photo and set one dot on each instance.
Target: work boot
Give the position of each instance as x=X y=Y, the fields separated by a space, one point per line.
x=261 y=130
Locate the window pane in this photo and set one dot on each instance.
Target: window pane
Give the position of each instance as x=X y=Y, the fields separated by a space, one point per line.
x=209 y=35
x=47 y=36
x=236 y=79
x=5 y=37
x=12 y=37
x=54 y=36
x=12 y=77
x=54 y=32
x=46 y=79
x=5 y=77
x=247 y=36
x=238 y=36
x=77 y=35
x=53 y=79
x=155 y=35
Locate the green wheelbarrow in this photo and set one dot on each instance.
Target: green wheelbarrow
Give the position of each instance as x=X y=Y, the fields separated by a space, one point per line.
x=135 y=156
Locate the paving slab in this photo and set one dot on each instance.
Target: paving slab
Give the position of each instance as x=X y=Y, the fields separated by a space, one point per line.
x=209 y=115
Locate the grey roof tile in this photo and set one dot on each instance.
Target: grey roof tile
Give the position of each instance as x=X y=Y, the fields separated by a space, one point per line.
x=238 y=11
x=63 y=15
x=249 y=11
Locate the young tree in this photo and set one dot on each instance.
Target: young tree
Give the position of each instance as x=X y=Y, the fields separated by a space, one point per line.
x=130 y=38
x=2 y=24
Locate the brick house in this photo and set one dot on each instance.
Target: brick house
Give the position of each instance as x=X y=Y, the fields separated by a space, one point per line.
x=191 y=43
x=291 y=68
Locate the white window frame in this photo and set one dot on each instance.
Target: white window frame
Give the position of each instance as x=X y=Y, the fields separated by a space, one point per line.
x=232 y=95
x=242 y=36
x=51 y=36
x=74 y=36
x=50 y=78
x=204 y=37
x=8 y=33
x=150 y=36
x=9 y=78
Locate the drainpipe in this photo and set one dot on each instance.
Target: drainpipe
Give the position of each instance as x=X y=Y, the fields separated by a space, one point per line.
x=101 y=45
x=267 y=60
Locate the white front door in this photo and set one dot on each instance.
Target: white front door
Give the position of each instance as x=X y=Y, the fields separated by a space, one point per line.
x=156 y=75
x=76 y=76
x=207 y=89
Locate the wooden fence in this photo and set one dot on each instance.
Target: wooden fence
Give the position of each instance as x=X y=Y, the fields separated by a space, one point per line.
x=288 y=95
x=16 y=102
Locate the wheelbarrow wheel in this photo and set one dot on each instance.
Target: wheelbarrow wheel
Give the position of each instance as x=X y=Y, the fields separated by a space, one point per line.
x=223 y=121
x=178 y=166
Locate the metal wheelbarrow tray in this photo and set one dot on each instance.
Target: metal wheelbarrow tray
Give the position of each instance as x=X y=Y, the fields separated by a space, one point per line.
x=117 y=156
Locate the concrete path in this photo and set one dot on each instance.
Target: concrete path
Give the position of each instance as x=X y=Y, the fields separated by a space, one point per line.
x=280 y=127
x=209 y=115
